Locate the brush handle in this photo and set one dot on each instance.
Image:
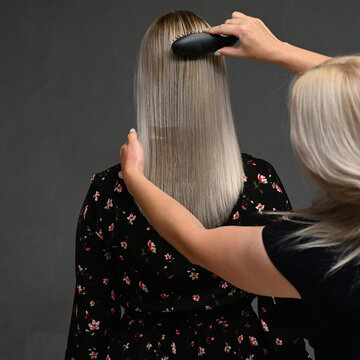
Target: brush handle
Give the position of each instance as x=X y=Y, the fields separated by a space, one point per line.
x=195 y=45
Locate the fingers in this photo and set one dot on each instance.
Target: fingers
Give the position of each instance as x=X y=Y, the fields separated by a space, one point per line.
x=238 y=15
x=225 y=29
x=231 y=51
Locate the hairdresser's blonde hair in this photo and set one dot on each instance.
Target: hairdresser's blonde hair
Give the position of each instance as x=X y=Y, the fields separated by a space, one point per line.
x=325 y=132
x=185 y=122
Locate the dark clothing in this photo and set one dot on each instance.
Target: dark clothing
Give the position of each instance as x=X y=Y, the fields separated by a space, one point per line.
x=173 y=309
x=330 y=307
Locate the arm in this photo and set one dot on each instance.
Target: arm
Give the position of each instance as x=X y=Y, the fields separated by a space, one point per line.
x=96 y=305
x=237 y=254
x=258 y=43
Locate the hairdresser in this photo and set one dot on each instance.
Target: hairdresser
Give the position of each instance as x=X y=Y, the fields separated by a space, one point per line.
x=310 y=260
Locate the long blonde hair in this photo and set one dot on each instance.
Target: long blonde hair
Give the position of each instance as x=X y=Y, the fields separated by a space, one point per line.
x=185 y=122
x=325 y=132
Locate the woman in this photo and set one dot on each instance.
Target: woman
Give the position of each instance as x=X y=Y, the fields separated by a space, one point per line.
x=174 y=309
x=315 y=256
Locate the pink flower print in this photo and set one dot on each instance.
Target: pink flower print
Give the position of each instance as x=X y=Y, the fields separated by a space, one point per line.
x=92 y=303
x=143 y=287
x=85 y=210
x=87 y=248
x=177 y=332
x=192 y=344
x=121 y=257
x=224 y=285
x=277 y=187
x=94 y=325
x=244 y=207
x=264 y=309
x=148 y=228
x=201 y=351
x=107 y=255
x=123 y=244
x=264 y=325
x=151 y=246
x=80 y=268
x=164 y=296
x=93 y=354
x=251 y=162
x=262 y=179
x=105 y=281
x=79 y=288
x=196 y=297
x=253 y=341
x=208 y=307
x=118 y=188
x=227 y=348
x=96 y=196
x=149 y=346
x=260 y=207
x=173 y=348
x=163 y=336
x=107 y=357
x=111 y=227
x=131 y=218
x=240 y=339
x=194 y=275
x=99 y=234
x=236 y=216
x=113 y=294
x=278 y=341
x=92 y=178
x=245 y=178
x=126 y=279
x=108 y=205
x=168 y=257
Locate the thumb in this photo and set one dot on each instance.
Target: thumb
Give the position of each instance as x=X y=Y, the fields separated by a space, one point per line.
x=132 y=135
x=231 y=51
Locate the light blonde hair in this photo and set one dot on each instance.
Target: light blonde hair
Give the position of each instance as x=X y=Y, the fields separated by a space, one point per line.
x=185 y=123
x=325 y=132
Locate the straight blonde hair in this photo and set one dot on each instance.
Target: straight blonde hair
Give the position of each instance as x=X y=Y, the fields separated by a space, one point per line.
x=325 y=132
x=185 y=123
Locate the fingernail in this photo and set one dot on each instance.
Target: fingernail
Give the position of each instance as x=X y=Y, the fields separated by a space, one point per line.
x=206 y=30
x=120 y=175
x=132 y=130
x=216 y=53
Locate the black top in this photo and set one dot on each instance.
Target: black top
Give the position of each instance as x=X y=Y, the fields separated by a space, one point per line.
x=173 y=309
x=329 y=312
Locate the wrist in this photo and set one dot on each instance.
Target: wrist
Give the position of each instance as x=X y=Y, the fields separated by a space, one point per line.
x=132 y=178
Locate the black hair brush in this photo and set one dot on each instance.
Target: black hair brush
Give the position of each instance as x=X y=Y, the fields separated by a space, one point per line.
x=198 y=44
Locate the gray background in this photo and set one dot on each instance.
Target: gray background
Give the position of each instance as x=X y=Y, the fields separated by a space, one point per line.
x=66 y=106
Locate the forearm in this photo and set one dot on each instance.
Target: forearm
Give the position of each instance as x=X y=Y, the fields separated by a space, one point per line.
x=170 y=219
x=296 y=59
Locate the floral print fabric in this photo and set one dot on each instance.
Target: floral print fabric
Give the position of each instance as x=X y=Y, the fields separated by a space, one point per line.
x=173 y=309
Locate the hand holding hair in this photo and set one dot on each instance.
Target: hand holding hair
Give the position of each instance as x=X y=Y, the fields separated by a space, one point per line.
x=131 y=157
x=257 y=42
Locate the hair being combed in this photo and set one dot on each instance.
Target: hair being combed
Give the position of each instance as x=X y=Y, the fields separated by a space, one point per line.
x=185 y=123
x=325 y=132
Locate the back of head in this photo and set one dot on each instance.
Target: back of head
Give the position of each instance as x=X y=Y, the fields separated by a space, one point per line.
x=185 y=122
x=325 y=109
x=325 y=132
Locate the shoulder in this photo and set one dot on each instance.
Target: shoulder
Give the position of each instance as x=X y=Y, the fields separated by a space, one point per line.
x=106 y=184
x=254 y=166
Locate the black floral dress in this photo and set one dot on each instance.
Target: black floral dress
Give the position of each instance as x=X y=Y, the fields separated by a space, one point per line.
x=173 y=309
